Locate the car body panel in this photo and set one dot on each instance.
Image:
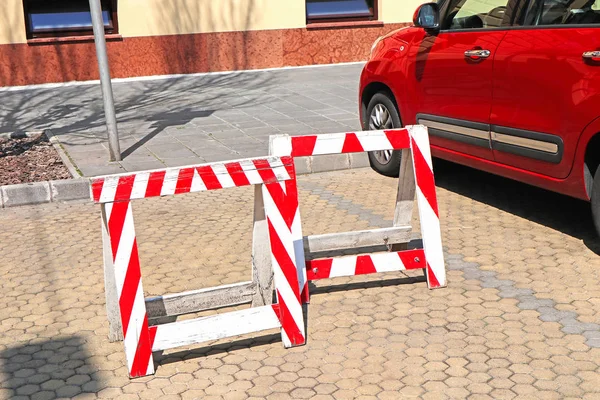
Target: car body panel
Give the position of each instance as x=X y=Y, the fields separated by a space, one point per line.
x=417 y=77
x=543 y=84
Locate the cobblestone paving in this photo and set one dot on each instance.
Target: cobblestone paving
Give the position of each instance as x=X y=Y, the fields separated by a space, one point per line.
x=519 y=318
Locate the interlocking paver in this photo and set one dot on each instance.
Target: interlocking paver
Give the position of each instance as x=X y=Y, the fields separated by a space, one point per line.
x=518 y=318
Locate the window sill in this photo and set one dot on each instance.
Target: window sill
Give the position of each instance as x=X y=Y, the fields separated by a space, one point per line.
x=343 y=24
x=72 y=39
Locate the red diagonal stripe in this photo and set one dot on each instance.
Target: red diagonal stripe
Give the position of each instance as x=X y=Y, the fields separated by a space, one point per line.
x=398 y=139
x=288 y=324
x=97 y=189
x=433 y=282
x=152 y=335
x=124 y=188
x=155 y=183
x=209 y=177
x=130 y=287
x=364 y=265
x=286 y=202
x=116 y=223
x=237 y=174
x=284 y=260
x=352 y=144
x=412 y=259
x=303 y=145
x=318 y=269
x=424 y=177
x=143 y=352
x=184 y=180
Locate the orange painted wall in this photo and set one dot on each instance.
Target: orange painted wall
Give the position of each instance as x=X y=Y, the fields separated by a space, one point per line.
x=24 y=64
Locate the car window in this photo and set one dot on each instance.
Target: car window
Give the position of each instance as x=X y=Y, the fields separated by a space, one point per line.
x=476 y=14
x=563 y=12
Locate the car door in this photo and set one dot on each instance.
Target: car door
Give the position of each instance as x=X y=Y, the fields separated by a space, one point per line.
x=546 y=85
x=453 y=74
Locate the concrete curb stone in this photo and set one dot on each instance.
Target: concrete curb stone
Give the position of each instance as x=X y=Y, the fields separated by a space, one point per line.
x=78 y=189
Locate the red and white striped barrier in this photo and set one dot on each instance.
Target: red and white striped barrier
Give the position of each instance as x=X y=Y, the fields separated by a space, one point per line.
x=412 y=140
x=122 y=266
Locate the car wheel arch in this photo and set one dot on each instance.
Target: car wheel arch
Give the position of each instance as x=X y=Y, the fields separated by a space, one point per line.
x=371 y=90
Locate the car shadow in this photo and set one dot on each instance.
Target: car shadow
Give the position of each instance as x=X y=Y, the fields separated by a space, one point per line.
x=563 y=213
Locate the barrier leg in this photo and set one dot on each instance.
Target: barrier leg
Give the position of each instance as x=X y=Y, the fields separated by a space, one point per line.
x=129 y=291
x=262 y=273
x=115 y=332
x=281 y=208
x=428 y=208
x=405 y=197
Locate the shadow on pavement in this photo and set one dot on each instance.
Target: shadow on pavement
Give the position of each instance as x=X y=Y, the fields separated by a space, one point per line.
x=562 y=213
x=211 y=349
x=54 y=369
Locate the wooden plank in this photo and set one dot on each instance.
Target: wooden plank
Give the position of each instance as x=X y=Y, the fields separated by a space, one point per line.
x=405 y=198
x=199 y=300
x=214 y=327
x=115 y=330
x=356 y=239
x=262 y=273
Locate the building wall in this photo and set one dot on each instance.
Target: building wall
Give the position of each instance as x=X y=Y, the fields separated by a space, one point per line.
x=159 y=37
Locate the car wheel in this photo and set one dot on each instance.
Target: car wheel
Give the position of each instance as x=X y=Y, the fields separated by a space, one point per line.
x=595 y=200
x=382 y=114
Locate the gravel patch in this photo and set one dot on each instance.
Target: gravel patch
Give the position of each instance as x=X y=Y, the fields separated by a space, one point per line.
x=30 y=159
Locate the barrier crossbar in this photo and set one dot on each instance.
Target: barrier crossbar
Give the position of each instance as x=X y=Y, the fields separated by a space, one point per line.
x=126 y=305
x=416 y=177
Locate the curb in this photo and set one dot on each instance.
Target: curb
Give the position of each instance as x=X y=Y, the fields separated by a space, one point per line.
x=20 y=135
x=79 y=189
x=44 y=192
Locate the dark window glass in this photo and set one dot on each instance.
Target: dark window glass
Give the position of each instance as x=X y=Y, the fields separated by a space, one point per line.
x=339 y=9
x=46 y=18
x=563 y=12
x=476 y=14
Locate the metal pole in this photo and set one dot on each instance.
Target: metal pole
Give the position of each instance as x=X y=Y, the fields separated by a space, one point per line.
x=107 y=94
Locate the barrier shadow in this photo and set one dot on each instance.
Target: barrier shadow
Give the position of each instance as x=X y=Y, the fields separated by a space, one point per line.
x=559 y=212
x=211 y=349
x=53 y=369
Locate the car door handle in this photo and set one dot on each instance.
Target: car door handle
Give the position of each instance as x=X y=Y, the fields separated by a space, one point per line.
x=592 y=55
x=477 y=54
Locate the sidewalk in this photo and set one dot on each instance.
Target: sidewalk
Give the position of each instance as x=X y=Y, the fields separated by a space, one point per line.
x=189 y=120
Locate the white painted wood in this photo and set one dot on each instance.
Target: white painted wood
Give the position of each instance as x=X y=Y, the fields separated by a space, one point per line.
x=262 y=273
x=357 y=239
x=214 y=327
x=199 y=300
x=115 y=330
x=405 y=198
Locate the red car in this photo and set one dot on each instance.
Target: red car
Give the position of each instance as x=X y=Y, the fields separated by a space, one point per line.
x=511 y=87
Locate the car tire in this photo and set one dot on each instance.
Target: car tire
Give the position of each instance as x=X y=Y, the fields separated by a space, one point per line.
x=384 y=162
x=595 y=201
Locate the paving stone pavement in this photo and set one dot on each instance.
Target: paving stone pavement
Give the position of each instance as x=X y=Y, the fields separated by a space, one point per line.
x=517 y=320
x=191 y=119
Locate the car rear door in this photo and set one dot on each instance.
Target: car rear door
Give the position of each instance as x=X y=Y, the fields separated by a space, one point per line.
x=546 y=85
x=453 y=74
